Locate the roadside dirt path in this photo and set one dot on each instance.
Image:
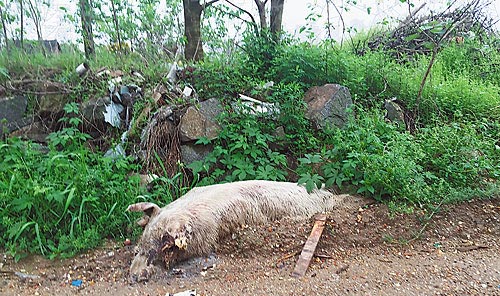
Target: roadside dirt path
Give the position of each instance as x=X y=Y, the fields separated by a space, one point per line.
x=363 y=251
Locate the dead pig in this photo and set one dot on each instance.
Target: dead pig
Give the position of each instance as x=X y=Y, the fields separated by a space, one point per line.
x=193 y=224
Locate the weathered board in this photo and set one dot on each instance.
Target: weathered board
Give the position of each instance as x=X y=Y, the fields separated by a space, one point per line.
x=309 y=247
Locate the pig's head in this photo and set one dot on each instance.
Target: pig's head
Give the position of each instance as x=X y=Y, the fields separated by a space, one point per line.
x=165 y=239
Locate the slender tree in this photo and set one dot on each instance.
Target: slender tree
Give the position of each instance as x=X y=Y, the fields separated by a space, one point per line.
x=276 y=18
x=117 y=27
x=4 y=26
x=21 y=8
x=37 y=21
x=261 y=7
x=276 y=15
x=192 y=22
x=86 y=17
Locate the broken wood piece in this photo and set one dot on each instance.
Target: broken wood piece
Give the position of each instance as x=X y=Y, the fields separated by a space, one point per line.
x=322 y=256
x=309 y=247
x=287 y=256
x=471 y=248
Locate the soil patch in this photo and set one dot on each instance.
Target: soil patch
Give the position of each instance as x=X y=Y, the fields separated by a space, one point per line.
x=364 y=250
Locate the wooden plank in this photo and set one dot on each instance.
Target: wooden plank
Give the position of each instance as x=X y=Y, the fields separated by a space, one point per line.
x=309 y=247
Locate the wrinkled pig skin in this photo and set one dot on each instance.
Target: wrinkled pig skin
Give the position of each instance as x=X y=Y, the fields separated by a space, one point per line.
x=193 y=224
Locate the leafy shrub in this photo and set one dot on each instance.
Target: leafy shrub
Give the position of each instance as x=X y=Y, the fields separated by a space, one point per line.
x=242 y=151
x=62 y=202
x=373 y=156
x=459 y=154
x=259 y=52
x=443 y=162
x=301 y=63
x=299 y=134
x=216 y=79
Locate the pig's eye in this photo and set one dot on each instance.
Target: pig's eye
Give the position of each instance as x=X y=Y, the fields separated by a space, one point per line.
x=151 y=256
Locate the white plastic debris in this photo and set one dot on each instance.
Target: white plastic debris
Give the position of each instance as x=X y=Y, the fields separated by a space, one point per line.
x=112 y=114
x=187 y=91
x=82 y=69
x=139 y=76
x=104 y=72
x=25 y=276
x=185 y=293
x=268 y=84
x=116 y=80
x=116 y=152
x=172 y=74
x=256 y=106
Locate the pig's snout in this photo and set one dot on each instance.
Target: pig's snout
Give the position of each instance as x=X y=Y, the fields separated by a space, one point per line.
x=140 y=270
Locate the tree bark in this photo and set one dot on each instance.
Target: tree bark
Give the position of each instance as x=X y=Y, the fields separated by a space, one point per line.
x=22 y=23
x=261 y=7
x=192 y=30
x=4 y=26
x=117 y=27
x=276 y=17
x=87 y=33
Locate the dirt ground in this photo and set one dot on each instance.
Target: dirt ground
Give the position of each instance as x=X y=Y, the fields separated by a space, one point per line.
x=363 y=251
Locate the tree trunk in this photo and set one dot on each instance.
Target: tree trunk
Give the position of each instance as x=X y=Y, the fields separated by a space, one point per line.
x=261 y=6
x=4 y=26
x=192 y=29
x=117 y=27
x=22 y=23
x=276 y=17
x=35 y=15
x=87 y=33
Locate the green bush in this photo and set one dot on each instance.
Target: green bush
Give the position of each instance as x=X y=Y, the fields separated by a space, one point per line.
x=374 y=156
x=460 y=154
x=61 y=202
x=442 y=162
x=242 y=151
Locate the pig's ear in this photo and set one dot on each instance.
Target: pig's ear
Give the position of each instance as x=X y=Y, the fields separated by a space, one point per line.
x=149 y=208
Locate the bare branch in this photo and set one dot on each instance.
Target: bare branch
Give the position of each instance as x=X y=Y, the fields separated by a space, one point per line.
x=254 y=25
x=341 y=19
x=246 y=12
x=207 y=4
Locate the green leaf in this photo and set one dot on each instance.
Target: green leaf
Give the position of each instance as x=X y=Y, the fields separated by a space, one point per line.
x=437 y=30
x=412 y=37
x=429 y=45
x=39 y=239
x=21 y=230
x=203 y=141
x=4 y=72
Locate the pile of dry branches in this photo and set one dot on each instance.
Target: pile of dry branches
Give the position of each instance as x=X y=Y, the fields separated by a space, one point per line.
x=420 y=35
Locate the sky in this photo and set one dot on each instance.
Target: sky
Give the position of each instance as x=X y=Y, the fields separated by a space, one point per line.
x=294 y=16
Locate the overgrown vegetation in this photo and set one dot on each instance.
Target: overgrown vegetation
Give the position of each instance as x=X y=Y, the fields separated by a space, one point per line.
x=64 y=198
x=453 y=156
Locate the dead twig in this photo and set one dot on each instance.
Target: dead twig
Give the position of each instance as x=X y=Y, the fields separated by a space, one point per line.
x=287 y=256
x=471 y=248
x=322 y=256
